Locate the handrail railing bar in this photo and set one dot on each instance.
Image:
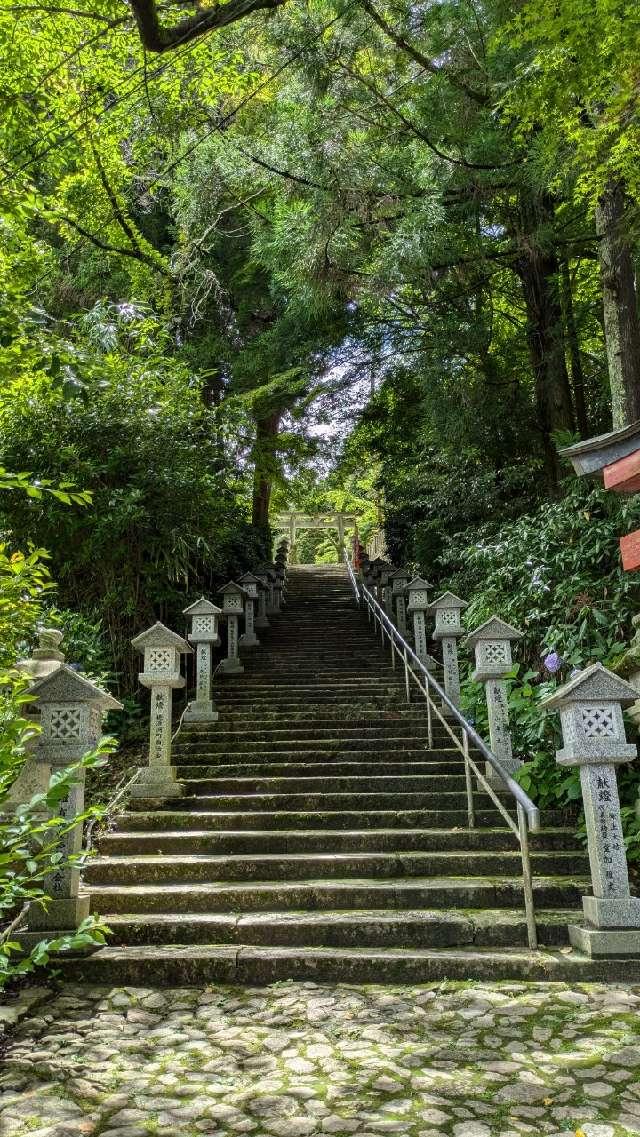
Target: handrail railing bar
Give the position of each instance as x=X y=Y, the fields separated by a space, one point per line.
x=532 y=812
x=528 y=817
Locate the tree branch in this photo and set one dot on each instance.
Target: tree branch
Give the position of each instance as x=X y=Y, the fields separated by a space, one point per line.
x=134 y=253
x=424 y=60
x=157 y=38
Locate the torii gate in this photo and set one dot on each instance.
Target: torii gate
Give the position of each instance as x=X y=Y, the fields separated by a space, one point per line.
x=293 y=521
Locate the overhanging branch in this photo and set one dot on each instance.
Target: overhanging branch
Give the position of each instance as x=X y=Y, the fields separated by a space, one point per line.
x=157 y=38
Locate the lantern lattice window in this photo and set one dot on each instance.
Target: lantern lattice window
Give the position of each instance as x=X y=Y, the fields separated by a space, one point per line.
x=496 y=652
x=598 y=722
x=449 y=617
x=160 y=659
x=201 y=624
x=65 y=723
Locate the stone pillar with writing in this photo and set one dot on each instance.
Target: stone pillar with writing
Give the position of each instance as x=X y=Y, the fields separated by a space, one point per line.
x=399 y=583
x=162 y=650
x=233 y=598
x=386 y=588
x=417 y=607
x=204 y=634
x=262 y=620
x=71 y=712
x=251 y=586
x=594 y=739
x=447 y=610
x=492 y=645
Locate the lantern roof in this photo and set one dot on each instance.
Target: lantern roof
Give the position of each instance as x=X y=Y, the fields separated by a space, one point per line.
x=160 y=636
x=447 y=600
x=64 y=685
x=400 y=574
x=493 y=629
x=592 y=454
x=248 y=578
x=202 y=607
x=593 y=684
x=232 y=589
x=418 y=584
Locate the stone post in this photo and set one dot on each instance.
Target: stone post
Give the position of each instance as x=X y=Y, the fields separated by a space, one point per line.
x=417 y=606
x=340 y=524
x=492 y=644
x=162 y=650
x=204 y=634
x=251 y=585
x=386 y=588
x=268 y=572
x=399 y=583
x=447 y=610
x=262 y=620
x=233 y=597
x=71 y=712
x=593 y=734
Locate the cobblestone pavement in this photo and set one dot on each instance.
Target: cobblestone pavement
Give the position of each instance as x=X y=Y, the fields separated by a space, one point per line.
x=298 y=1059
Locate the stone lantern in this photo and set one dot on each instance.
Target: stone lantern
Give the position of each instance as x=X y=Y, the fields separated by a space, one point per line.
x=268 y=572
x=262 y=620
x=386 y=571
x=492 y=644
x=417 y=606
x=46 y=657
x=399 y=583
x=447 y=610
x=233 y=598
x=162 y=651
x=251 y=585
x=71 y=713
x=593 y=734
x=204 y=634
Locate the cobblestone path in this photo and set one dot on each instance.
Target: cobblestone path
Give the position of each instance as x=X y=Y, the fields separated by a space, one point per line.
x=298 y=1059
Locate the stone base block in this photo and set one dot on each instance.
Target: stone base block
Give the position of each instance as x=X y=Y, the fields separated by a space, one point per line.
x=231 y=667
x=201 y=712
x=510 y=767
x=607 y=914
x=63 y=914
x=157 y=784
x=605 y=942
x=247 y=640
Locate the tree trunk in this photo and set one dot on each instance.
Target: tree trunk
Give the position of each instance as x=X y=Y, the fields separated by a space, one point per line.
x=577 y=373
x=620 y=302
x=538 y=272
x=264 y=467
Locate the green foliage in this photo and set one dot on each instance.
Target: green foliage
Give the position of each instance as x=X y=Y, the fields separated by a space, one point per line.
x=32 y=847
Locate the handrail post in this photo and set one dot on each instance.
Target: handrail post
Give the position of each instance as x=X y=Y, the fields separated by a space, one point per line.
x=471 y=809
x=406 y=675
x=527 y=882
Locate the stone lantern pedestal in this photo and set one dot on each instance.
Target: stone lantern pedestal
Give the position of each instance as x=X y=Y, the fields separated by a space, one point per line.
x=447 y=610
x=204 y=634
x=492 y=643
x=233 y=598
x=162 y=650
x=399 y=583
x=417 y=607
x=593 y=733
x=71 y=713
x=251 y=585
x=262 y=620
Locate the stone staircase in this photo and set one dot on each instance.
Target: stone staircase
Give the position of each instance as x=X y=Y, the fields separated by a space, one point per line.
x=320 y=838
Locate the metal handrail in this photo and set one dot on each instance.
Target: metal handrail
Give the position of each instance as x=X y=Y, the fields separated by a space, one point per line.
x=528 y=815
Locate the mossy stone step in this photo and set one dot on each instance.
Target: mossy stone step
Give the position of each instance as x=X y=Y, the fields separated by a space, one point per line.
x=205 y=841
x=315 y=895
x=177 y=965
x=368 y=928
x=201 y=766
x=203 y=818
x=335 y=783
x=159 y=869
x=311 y=802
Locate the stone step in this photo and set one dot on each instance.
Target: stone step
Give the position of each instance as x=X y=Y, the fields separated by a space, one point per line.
x=394 y=729
x=379 y=758
x=315 y=895
x=218 y=819
x=184 y=869
x=396 y=783
x=201 y=767
x=426 y=928
x=321 y=802
x=261 y=716
x=206 y=842
x=255 y=726
x=176 y=965
x=389 y=744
